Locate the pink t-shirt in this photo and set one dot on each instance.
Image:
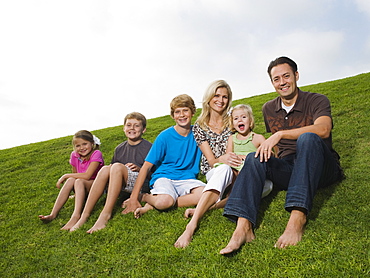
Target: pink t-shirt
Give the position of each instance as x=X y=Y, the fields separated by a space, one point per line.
x=82 y=165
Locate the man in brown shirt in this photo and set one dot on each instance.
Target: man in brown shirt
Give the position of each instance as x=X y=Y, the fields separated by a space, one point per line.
x=301 y=124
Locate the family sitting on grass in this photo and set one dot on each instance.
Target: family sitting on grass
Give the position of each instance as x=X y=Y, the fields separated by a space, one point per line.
x=240 y=166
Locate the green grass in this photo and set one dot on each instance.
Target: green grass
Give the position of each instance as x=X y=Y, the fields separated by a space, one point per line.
x=336 y=242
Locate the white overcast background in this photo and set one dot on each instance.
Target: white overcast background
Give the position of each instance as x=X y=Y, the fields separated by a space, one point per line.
x=71 y=65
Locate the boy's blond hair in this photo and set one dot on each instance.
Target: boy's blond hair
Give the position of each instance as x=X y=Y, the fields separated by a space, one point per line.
x=248 y=109
x=137 y=116
x=183 y=100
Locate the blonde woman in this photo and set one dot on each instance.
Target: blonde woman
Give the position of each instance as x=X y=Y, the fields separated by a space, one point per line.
x=211 y=132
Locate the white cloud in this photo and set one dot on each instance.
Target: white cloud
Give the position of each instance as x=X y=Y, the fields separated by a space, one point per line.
x=364 y=6
x=76 y=65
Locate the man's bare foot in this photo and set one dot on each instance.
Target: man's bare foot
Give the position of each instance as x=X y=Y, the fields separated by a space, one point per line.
x=100 y=224
x=141 y=211
x=293 y=231
x=242 y=234
x=46 y=218
x=70 y=223
x=189 y=212
x=186 y=237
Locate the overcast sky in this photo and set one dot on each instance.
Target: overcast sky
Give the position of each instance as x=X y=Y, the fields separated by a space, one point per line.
x=71 y=65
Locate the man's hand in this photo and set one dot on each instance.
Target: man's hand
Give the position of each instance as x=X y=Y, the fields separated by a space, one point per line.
x=265 y=150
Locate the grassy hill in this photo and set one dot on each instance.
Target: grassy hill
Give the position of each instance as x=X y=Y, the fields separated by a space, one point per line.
x=336 y=242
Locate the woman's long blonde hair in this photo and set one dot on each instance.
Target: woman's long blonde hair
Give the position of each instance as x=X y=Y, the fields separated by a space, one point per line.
x=204 y=117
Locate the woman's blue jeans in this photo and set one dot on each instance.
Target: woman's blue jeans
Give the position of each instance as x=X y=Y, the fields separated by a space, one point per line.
x=313 y=166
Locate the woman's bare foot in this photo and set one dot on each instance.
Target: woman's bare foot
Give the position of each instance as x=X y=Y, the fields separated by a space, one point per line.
x=46 y=218
x=141 y=211
x=294 y=230
x=242 y=234
x=186 y=237
x=100 y=224
x=70 y=223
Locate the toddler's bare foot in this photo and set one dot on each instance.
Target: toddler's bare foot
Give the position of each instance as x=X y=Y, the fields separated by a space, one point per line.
x=294 y=230
x=70 y=223
x=100 y=224
x=46 y=218
x=242 y=234
x=189 y=212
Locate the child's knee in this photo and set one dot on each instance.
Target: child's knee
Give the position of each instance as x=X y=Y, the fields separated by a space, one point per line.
x=164 y=202
x=118 y=168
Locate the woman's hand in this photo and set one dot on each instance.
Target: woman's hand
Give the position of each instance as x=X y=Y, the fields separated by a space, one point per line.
x=230 y=159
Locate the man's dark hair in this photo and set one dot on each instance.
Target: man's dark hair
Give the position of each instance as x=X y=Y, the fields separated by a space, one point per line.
x=280 y=61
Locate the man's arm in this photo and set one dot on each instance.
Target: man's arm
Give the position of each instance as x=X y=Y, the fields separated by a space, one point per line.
x=322 y=127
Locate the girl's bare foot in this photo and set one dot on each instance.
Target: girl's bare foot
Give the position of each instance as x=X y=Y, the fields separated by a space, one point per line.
x=100 y=224
x=71 y=223
x=294 y=230
x=242 y=234
x=46 y=218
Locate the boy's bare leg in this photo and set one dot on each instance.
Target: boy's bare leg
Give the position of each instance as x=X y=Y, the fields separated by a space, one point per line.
x=140 y=211
x=242 y=234
x=206 y=201
x=60 y=201
x=159 y=201
x=293 y=231
x=191 y=199
x=118 y=175
x=81 y=188
x=96 y=191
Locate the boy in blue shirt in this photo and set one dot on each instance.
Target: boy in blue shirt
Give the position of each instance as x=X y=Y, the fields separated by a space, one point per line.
x=176 y=158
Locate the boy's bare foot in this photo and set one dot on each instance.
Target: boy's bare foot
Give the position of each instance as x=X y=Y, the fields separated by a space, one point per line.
x=100 y=224
x=186 y=237
x=46 y=218
x=141 y=211
x=293 y=231
x=242 y=234
x=125 y=202
x=189 y=212
x=71 y=223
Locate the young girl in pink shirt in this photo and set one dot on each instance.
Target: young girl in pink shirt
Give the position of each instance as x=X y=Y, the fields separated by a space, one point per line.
x=86 y=161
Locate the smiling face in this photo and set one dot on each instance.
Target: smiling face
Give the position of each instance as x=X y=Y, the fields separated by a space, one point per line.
x=182 y=116
x=220 y=100
x=82 y=147
x=284 y=81
x=133 y=129
x=241 y=121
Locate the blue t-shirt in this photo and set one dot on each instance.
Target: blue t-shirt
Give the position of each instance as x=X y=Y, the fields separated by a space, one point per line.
x=175 y=157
